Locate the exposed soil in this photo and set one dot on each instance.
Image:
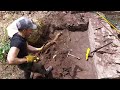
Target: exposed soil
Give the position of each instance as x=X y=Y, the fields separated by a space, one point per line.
x=65 y=66
x=74 y=40
x=68 y=67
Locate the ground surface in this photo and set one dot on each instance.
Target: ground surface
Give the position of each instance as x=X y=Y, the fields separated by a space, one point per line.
x=107 y=58
x=65 y=66
x=68 y=67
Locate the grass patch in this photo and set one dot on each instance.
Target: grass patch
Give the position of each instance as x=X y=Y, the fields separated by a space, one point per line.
x=4 y=47
x=4 y=51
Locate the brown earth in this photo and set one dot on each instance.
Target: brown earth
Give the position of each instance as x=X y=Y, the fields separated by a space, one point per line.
x=65 y=66
x=74 y=40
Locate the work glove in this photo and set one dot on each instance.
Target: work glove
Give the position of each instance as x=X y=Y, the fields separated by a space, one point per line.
x=32 y=58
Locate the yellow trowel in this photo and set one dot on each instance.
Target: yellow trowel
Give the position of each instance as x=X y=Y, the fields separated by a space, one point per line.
x=87 y=53
x=90 y=54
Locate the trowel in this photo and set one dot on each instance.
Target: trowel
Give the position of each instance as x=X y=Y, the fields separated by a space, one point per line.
x=90 y=54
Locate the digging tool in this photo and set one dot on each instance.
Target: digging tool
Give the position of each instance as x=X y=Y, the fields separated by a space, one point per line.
x=46 y=46
x=109 y=30
x=87 y=53
x=90 y=54
x=73 y=56
x=118 y=31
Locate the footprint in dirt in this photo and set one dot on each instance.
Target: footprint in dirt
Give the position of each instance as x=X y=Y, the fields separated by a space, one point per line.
x=39 y=76
x=76 y=70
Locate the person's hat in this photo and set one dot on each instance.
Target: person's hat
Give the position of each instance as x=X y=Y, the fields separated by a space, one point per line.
x=25 y=23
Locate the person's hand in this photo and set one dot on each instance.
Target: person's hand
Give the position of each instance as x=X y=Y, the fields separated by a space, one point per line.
x=40 y=49
x=32 y=58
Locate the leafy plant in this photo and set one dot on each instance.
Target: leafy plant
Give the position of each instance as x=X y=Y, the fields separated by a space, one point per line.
x=3 y=51
x=4 y=46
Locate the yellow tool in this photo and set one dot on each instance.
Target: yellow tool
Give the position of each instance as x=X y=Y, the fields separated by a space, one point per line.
x=118 y=31
x=88 y=49
x=88 y=53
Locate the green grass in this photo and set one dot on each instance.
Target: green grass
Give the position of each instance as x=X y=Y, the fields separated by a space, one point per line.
x=4 y=51
x=4 y=46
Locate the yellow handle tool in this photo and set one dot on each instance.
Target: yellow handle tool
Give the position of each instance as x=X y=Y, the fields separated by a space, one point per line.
x=118 y=31
x=87 y=53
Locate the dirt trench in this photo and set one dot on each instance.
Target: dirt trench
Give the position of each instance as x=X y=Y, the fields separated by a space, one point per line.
x=103 y=65
x=80 y=31
x=74 y=40
x=65 y=66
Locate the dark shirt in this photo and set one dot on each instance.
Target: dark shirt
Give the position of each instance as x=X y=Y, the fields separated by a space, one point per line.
x=19 y=42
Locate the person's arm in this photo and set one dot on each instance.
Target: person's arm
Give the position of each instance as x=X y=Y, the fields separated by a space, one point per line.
x=31 y=48
x=12 y=57
x=44 y=47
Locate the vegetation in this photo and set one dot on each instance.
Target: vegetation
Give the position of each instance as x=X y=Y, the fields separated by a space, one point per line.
x=4 y=47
